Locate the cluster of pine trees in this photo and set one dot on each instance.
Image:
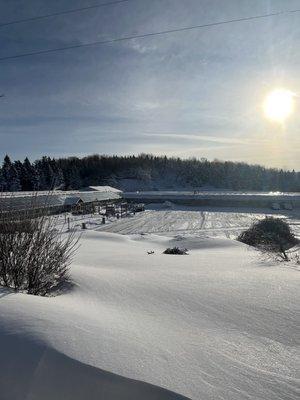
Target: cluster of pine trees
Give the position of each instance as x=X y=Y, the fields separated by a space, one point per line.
x=75 y=173
x=43 y=174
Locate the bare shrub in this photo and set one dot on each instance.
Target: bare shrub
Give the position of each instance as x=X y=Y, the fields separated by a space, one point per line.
x=270 y=234
x=34 y=254
x=176 y=250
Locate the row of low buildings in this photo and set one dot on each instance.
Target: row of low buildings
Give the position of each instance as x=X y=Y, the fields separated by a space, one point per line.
x=88 y=200
x=95 y=198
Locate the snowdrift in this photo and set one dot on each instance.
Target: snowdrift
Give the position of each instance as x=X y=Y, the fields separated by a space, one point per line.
x=216 y=324
x=34 y=371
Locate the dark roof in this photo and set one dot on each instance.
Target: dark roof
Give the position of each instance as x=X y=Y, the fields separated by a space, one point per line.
x=71 y=201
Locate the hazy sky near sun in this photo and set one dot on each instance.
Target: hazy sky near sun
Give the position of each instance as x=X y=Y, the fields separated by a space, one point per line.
x=196 y=93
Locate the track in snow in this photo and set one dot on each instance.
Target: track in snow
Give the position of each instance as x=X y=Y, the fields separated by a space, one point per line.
x=221 y=224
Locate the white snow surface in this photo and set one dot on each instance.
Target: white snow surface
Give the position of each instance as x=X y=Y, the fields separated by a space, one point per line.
x=171 y=219
x=105 y=189
x=219 y=323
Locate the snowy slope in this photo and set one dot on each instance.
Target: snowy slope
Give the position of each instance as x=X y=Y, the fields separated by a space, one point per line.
x=216 y=324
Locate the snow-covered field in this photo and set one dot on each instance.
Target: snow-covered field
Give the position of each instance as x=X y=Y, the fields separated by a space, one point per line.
x=220 y=323
x=183 y=220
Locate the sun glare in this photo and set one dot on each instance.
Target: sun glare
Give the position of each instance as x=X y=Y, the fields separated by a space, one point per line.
x=278 y=105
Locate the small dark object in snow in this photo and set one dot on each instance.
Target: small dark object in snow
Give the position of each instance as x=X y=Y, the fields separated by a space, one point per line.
x=138 y=207
x=176 y=250
x=150 y=252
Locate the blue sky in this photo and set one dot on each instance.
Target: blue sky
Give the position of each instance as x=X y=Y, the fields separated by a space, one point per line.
x=191 y=94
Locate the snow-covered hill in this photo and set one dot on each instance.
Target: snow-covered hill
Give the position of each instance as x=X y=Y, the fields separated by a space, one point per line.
x=217 y=324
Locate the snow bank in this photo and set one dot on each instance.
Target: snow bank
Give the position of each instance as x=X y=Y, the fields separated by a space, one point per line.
x=216 y=324
x=41 y=372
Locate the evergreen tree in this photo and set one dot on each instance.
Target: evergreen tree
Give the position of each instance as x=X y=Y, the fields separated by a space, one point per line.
x=30 y=176
x=73 y=179
x=2 y=182
x=10 y=176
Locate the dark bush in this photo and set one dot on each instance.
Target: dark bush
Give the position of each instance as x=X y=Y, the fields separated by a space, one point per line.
x=273 y=234
x=176 y=250
x=34 y=255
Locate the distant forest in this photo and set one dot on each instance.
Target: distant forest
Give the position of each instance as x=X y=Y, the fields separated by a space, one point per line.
x=146 y=171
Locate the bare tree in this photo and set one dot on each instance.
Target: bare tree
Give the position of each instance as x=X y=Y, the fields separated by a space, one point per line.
x=34 y=254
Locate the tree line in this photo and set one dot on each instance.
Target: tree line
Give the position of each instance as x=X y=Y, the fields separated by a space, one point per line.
x=151 y=171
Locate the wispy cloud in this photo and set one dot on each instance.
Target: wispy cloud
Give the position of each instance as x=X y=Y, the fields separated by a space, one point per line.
x=207 y=138
x=140 y=46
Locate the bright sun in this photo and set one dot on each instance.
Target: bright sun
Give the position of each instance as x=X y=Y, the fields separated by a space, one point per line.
x=278 y=105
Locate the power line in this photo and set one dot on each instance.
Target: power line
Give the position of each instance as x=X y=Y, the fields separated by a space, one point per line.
x=74 y=10
x=141 y=36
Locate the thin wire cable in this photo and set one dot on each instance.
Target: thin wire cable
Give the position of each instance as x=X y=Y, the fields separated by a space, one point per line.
x=141 y=36
x=74 y=10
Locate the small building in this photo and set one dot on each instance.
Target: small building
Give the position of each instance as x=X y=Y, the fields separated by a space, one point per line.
x=90 y=202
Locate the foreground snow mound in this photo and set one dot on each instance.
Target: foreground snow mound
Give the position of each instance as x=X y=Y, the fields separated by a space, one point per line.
x=216 y=324
x=44 y=373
